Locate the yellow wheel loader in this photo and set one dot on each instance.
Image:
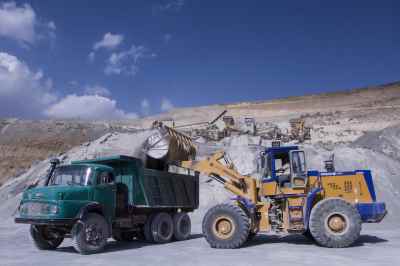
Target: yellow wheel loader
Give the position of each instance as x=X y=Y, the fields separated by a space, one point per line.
x=328 y=207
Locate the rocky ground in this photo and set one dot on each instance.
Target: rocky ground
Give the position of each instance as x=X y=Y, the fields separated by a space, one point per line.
x=361 y=127
x=375 y=247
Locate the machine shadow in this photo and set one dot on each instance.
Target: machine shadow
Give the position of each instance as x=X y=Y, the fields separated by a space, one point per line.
x=302 y=240
x=115 y=246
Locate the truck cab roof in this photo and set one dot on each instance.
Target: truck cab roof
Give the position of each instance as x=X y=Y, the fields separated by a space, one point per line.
x=106 y=160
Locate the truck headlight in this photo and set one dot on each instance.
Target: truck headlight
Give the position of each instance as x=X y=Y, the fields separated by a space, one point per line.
x=53 y=209
x=23 y=208
x=36 y=208
x=49 y=208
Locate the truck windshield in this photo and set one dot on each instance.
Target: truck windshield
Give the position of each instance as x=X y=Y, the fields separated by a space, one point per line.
x=71 y=175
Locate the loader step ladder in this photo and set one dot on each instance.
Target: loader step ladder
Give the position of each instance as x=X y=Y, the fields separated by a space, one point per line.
x=296 y=218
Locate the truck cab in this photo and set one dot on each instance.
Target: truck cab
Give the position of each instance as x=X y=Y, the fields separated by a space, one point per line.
x=67 y=190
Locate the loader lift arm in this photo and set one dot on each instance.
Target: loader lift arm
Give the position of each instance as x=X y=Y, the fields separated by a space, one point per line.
x=220 y=168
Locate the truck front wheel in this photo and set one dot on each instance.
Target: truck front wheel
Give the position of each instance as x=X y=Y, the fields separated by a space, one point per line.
x=44 y=239
x=335 y=223
x=226 y=226
x=90 y=234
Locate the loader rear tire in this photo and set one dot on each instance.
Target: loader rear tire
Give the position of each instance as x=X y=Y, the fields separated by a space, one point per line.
x=335 y=223
x=226 y=226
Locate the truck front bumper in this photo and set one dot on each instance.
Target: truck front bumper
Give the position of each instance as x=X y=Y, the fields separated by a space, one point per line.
x=372 y=212
x=40 y=221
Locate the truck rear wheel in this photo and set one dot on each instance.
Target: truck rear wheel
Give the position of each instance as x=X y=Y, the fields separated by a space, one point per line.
x=182 y=226
x=226 y=226
x=148 y=236
x=90 y=234
x=335 y=223
x=162 y=227
x=44 y=239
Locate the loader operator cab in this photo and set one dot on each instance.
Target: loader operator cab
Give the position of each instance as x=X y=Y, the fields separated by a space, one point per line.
x=285 y=165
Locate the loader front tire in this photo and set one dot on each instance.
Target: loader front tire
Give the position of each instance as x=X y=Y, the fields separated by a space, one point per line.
x=335 y=223
x=226 y=226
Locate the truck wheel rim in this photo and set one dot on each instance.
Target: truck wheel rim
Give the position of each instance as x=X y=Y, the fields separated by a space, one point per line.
x=223 y=227
x=337 y=223
x=165 y=229
x=94 y=234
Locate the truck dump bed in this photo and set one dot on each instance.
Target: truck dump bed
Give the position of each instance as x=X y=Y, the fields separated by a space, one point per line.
x=150 y=188
x=170 y=189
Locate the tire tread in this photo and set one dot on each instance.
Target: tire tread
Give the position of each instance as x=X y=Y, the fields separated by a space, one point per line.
x=243 y=224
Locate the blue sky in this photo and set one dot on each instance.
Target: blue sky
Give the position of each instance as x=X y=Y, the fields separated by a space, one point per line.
x=123 y=59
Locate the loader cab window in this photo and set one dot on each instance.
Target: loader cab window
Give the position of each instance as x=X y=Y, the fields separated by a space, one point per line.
x=264 y=165
x=282 y=168
x=298 y=163
x=298 y=168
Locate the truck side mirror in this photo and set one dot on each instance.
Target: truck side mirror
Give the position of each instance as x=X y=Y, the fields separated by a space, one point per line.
x=54 y=161
x=53 y=164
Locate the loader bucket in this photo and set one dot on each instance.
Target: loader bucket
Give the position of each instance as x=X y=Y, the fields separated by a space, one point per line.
x=167 y=145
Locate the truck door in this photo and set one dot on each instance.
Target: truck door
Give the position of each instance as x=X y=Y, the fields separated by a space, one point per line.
x=105 y=192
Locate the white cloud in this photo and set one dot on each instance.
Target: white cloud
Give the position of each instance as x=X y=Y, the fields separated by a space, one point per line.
x=97 y=90
x=109 y=41
x=91 y=56
x=23 y=92
x=28 y=94
x=87 y=107
x=21 y=23
x=145 y=107
x=51 y=25
x=167 y=38
x=166 y=105
x=127 y=62
x=168 y=6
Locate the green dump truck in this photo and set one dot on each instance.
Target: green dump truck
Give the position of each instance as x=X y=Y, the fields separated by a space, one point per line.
x=93 y=200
